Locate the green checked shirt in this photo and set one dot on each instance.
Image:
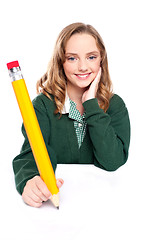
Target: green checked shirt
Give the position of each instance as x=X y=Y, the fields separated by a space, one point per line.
x=79 y=120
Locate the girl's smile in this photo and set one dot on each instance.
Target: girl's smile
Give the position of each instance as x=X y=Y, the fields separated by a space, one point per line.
x=83 y=76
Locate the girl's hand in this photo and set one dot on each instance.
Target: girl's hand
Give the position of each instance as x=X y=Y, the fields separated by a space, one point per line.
x=36 y=191
x=92 y=90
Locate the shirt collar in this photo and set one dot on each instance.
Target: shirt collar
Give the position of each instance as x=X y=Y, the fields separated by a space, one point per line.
x=66 y=106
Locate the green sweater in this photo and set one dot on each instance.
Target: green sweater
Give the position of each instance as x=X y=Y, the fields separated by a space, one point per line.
x=105 y=144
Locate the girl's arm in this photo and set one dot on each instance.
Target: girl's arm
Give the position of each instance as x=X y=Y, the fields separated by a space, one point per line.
x=109 y=132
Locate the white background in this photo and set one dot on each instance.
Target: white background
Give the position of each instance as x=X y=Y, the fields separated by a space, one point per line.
x=95 y=204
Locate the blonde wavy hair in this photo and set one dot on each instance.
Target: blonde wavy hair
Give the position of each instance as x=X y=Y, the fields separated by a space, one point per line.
x=54 y=80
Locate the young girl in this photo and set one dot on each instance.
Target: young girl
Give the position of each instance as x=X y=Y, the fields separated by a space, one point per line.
x=81 y=120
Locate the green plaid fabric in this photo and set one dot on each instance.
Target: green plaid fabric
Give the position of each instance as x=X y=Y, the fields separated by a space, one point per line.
x=79 y=122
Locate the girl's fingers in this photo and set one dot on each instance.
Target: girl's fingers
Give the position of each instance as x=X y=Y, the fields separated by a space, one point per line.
x=60 y=182
x=39 y=195
x=28 y=200
x=42 y=190
x=98 y=75
x=31 y=199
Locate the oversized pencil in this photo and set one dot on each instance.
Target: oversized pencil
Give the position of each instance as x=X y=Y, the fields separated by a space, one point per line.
x=33 y=131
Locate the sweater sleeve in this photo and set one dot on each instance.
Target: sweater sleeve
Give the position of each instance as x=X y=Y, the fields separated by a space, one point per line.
x=109 y=132
x=24 y=165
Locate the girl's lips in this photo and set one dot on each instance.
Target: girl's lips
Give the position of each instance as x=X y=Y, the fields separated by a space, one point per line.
x=83 y=76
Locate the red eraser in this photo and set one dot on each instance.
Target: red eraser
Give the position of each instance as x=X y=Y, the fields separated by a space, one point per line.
x=12 y=64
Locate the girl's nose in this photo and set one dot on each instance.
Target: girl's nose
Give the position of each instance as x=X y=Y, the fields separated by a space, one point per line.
x=82 y=65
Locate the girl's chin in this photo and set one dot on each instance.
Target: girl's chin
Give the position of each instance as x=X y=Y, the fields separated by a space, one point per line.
x=83 y=86
x=84 y=83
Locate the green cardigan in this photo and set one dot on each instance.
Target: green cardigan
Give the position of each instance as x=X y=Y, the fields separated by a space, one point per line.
x=105 y=144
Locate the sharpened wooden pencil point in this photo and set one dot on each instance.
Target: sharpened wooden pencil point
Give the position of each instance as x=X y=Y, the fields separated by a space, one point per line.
x=55 y=200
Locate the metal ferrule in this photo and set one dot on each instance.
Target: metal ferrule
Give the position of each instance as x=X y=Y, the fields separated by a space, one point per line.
x=15 y=73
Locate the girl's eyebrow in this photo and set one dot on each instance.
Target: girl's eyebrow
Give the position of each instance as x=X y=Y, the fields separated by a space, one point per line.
x=93 y=52
x=89 y=53
x=73 y=54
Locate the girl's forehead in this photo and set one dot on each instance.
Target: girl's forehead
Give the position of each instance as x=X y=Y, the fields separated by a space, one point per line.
x=81 y=41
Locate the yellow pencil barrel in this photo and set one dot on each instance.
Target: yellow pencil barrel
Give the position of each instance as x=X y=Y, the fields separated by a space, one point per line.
x=34 y=134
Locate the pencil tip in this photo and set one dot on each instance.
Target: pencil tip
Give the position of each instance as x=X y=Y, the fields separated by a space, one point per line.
x=58 y=208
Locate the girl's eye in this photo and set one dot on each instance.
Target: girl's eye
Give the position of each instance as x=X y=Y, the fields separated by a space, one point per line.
x=71 y=59
x=92 y=57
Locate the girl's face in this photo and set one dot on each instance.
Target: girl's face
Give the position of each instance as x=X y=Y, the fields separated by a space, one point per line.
x=82 y=61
